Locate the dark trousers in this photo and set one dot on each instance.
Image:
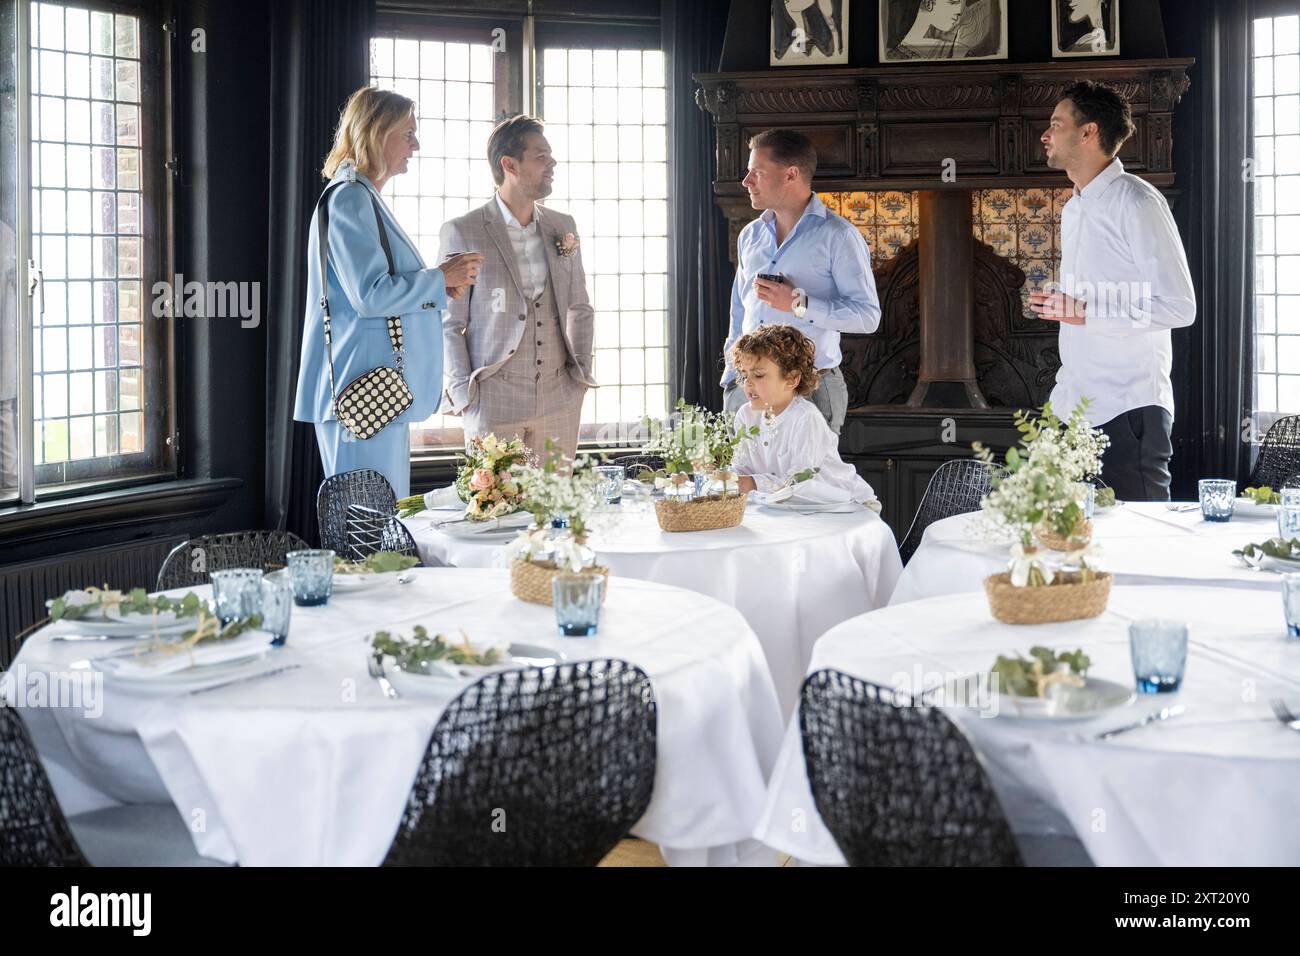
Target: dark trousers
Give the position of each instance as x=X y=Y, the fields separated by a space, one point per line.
x=1136 y=464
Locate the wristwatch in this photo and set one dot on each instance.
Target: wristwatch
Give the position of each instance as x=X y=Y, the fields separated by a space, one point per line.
x=800 y=305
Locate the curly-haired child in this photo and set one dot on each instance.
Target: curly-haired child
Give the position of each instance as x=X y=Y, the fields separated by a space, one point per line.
x=774 y=365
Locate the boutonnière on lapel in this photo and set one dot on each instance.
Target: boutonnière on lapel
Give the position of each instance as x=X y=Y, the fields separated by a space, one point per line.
x=567 y=245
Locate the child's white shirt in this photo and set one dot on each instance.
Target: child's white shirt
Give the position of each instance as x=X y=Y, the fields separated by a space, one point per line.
x=796 y=439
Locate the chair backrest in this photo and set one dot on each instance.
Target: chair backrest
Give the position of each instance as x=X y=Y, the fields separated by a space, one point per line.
x=1279 y=455
x=190 y=562
x=534 y=767
x=635 y=465
x=367 y=531
x=896 y=783
x=33 y=830
x=362 y=486
x=955 y=487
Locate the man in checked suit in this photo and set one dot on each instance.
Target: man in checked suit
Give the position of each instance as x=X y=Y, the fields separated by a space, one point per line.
x=517 y=346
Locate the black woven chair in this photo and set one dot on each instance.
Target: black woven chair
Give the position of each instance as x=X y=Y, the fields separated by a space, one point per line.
x=955 y=487
x=363 y=486
x=1279 y=455
x=190 y=562
x=34 y=831
x=897 y=784
x=634 y=465
x=367 y=531
x=534 y=767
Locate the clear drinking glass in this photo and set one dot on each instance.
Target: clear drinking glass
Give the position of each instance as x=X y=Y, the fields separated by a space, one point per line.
x=1086 y=494
x=1291 y=603
x=1159 y=654
x=311 y=575
x=277 y=607
x=609 y=479
x=236 y=593
x=576 y=598
x=1288 y=513
x=1218 y=495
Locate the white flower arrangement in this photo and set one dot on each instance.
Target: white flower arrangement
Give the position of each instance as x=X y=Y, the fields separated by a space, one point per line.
x=695 y=439
x=1041 y=487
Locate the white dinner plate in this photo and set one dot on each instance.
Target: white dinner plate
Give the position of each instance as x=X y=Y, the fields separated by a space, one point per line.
x=814 y=507
x=191 y=678
x=438 y=685
x=357 y=581
x=1094 y=698
x=1247 y=508
x=130 y=625
x=505 y=526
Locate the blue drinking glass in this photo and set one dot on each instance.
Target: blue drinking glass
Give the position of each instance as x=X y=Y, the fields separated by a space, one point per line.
x=236 y=593
x=277 y=607
x=1218 y=495
x=610 y=480
x=1159 y=654
x=1288 y=513
x=576 y=598
x=311 y=575
x=1291 y=603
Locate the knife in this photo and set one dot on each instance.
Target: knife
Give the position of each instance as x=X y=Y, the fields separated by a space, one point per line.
x=1163 y=714
x=240 y=680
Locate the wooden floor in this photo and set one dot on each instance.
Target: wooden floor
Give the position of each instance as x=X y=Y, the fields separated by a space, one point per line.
x=634 y=852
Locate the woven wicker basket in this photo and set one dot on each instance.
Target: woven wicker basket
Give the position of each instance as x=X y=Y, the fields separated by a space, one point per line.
x=530 y=581
x=1046 y=604
x=700 y=514
x=1048 y=537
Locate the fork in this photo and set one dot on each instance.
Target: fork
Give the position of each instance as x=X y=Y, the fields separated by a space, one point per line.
x=1283 y=713
x=376 y=668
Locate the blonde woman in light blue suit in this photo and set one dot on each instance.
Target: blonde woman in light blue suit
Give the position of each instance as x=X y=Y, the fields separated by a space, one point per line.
x=374 y=141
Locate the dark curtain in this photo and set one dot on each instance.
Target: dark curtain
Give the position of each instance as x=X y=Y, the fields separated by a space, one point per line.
x=699 y=270
x=320 y=55
x=1218 y=221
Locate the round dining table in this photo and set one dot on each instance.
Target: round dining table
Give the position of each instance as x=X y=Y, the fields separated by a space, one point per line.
x=1217 y=785
x=305 y=761
x=1137 y=542
x=792 y=575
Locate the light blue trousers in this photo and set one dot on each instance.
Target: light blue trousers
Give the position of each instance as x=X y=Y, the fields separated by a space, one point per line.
x=388 y=453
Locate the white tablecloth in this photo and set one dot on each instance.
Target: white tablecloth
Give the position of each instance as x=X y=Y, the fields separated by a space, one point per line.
x=314 y=766
x=1139 y=542
x=793 y=576
x=1217 y=786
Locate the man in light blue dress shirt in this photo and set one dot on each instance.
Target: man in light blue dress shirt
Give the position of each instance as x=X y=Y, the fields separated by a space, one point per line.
x=826 y=285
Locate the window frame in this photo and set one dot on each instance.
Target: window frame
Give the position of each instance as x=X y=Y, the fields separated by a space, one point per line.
x=621 y=35
x=158 y=459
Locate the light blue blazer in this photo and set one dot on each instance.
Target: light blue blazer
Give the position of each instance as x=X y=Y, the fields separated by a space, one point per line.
x=361 y=295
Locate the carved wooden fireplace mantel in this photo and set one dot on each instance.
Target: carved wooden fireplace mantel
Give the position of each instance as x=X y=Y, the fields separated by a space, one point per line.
x=899 y=128
x=893 y=127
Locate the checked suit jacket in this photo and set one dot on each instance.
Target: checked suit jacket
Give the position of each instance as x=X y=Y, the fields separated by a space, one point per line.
x=484 y=327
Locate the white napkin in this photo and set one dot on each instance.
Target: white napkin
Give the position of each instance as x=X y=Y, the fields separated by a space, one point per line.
x=441 y=499
x=161 y=664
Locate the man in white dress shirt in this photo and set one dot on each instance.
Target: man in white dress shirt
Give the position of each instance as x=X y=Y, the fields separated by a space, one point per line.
x=517 y=346
x=1124 y=285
